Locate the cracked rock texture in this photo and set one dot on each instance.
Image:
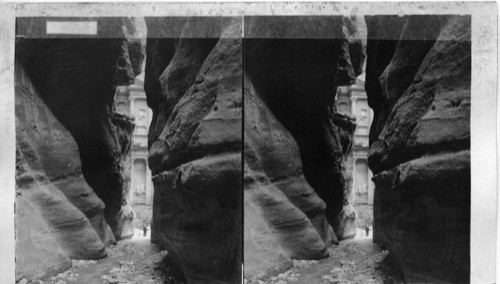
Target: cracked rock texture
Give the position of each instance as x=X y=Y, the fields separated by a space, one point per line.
x=418 y=84
x=71 y=148
x=194 y=87
x=295 y=141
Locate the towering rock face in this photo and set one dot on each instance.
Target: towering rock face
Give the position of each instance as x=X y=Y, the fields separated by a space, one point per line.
x=76 y=78
x=125 y=218
x=71 y=148
x=418 y=84
x=295 y=142
x=193 y=84
x=347 y=226
x=284 y=217
x=58 y=215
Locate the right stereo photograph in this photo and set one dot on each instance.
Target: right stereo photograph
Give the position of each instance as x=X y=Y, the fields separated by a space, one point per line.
x=357 y=149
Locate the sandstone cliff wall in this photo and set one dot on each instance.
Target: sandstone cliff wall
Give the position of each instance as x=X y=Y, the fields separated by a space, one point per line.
x=194 y=86
x=297 y=202
x=76 y=78
x=58 y=215
x=418 y=84
x=71 y=148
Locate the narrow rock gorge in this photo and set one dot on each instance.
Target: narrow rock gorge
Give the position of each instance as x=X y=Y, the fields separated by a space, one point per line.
x=295 y=192
x=418 y=80
x=250 y=159
x=71 y=147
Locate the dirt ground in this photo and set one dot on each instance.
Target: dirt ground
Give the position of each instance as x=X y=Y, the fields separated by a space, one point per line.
x=365 y=215
x=129 y=262
x=138 y=261
x=353 y=261
x=143 y=215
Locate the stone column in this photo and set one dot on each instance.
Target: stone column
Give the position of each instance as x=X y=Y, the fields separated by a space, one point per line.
x=353 y=106
x=132 y=182
x=354 y=181
x=132 y=105
x=150 y=117
x=371 y=188
x=148 y=185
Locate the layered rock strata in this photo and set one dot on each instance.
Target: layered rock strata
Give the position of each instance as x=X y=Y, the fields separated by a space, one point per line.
x=194 y=87
x=418 y=84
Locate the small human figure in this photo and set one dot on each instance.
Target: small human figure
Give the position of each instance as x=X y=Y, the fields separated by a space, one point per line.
x=367 y=229
x=144 y=229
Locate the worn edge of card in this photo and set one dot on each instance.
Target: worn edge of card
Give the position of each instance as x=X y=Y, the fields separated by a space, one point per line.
x=484 y=90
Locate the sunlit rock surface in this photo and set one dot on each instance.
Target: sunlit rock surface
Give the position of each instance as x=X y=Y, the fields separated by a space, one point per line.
x=418 y=84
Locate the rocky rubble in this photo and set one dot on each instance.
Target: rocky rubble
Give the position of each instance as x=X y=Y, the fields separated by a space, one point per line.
x=349 y=262
x=127 y=263
x=134 y=269
x=357 y=265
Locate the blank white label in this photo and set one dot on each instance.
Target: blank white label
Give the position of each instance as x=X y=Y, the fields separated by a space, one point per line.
x=72 y=28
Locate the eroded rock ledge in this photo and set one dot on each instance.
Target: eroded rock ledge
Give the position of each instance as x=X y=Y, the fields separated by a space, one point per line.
x=194 y=87
x=418 y=84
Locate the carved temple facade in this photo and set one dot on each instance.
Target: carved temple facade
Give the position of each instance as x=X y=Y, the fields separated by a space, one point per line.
x=353 y=100
x=131 y=100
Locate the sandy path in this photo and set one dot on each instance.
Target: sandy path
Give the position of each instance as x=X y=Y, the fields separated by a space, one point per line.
x=138 y=261
x=352 y=261
x=129 y=262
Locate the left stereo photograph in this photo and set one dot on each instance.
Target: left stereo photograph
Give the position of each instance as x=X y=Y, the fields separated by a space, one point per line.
x=129 y=150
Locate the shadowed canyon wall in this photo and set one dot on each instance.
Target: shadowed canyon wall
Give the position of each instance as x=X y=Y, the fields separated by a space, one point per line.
x=193 y=85
x=295 y=141
x=71 y=147
x=418 y=78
